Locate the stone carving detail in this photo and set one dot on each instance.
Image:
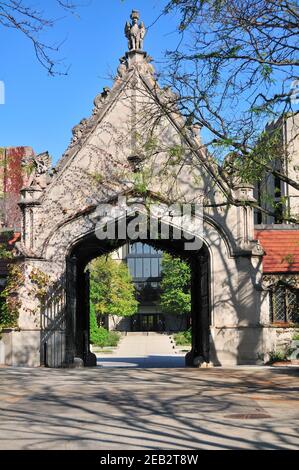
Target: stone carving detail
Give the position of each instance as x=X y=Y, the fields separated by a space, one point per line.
x=100 y=99
x=78 y=131
x=146 y=66
x=123 y=67
x=135 y=32
x=169 y=96
x=40 y=175
x=86 y=125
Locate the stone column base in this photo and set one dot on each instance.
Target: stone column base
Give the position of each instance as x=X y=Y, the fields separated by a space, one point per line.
x=192 y=359
x=20 y=348
x=90 y=360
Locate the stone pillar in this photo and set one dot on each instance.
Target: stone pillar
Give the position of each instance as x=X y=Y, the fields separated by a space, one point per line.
x=243 y=193
x=71 y=306
x=90 y=359
x=200 y=351
x=30 y=199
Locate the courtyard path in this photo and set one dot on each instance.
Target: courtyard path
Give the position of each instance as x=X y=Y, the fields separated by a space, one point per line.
x=149 y=409
x=152 y=350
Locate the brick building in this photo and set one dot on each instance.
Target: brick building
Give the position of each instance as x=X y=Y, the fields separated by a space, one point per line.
x=14 y=172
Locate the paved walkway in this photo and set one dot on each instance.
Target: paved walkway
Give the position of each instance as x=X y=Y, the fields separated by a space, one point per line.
x=151 y=350
x=149 y=409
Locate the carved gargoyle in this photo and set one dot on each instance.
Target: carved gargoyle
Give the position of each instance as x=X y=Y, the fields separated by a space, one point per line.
x=135 y=32
x=41 y=166
x=146 y=67
x=100 y=99
x=78 y=131
x=122 y=68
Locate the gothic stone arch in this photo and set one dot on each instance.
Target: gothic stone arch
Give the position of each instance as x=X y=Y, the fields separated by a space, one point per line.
x=134 y=145
x=87 y=247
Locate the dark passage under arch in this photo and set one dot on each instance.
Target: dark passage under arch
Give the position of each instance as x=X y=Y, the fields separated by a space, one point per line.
x=77 y=295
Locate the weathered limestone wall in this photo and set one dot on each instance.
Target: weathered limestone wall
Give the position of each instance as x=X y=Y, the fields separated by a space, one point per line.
x=291 y=138
x=97 y=168
x=20 y=348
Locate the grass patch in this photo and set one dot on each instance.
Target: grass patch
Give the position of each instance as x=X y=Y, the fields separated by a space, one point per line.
x=102 y=350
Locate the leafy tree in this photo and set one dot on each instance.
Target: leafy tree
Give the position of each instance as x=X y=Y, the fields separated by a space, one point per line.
x=112 y=291
x=175 y=286
x=239 y=55
x=234 y=69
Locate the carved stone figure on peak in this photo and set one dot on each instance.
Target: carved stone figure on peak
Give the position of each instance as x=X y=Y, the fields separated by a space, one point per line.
x=135 y=32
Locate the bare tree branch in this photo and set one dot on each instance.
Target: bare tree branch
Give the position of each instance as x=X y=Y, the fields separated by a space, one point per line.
x=31 y=22
x=233 y=72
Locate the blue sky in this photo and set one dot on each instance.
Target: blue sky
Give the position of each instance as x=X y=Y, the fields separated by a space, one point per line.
x=39 y=110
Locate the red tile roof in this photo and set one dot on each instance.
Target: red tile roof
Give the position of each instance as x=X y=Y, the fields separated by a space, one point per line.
x=282 y=250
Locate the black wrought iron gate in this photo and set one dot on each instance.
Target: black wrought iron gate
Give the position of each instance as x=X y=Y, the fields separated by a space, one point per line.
x=53 y=328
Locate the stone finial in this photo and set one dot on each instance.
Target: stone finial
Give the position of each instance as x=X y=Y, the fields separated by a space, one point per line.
x=135 y=32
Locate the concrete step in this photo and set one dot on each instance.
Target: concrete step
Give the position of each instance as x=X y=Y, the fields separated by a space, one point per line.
x=144 y=333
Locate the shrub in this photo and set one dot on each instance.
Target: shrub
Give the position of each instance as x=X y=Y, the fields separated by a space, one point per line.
x=277 y=356
x=183 y=338
x=103 y=337
x=99 y=336
x=9 y=301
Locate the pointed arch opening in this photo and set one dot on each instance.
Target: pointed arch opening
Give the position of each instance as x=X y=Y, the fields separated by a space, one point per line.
x=76 y=349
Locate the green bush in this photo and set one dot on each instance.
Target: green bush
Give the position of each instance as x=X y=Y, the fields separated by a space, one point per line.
x=9 y=300
x=99 y=336
x=277 y=356
x=296 y=337
x=183 y=338
x=104 y=338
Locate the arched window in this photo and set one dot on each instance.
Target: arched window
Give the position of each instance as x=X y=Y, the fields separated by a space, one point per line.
x=284 y=304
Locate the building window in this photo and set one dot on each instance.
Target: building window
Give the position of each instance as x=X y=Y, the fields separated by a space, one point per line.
x=258 y=214
x=284 y=302
x=145 y=266
x=144 y=262
x=279 y=207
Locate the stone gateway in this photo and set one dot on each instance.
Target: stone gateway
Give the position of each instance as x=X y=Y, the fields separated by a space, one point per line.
x=136 y=145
